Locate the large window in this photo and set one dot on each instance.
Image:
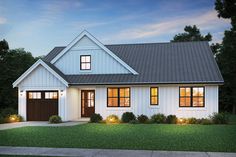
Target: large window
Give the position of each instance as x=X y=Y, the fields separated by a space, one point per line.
x=85 y=62
x=118 y=97
x=154 y=96
x=191 y=97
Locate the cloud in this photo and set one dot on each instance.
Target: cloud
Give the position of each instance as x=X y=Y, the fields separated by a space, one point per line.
x=3 y=20
x=205 y=21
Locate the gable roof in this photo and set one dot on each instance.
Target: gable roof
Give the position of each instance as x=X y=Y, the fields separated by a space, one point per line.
x=91 y=37
x=157 y=63
x=51 y=68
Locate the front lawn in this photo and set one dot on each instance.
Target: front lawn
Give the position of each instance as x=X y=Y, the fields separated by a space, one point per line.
x=126 y=136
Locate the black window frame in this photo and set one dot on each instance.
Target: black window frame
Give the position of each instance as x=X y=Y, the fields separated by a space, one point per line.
x=118 y=96
x=157 y=96
x=191 y=96
x=85 y=62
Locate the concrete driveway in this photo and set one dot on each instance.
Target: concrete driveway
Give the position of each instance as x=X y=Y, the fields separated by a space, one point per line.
x=31 y=123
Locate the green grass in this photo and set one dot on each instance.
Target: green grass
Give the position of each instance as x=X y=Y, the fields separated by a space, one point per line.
x=126 y=136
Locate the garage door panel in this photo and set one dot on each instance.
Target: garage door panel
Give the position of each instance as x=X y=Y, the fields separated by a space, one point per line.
x=39 y=108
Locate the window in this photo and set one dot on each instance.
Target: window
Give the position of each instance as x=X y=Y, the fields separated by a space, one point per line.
x=51 y=95
x=191 y=97
x=154 y=96
x=34 y=95
x=118 y=97
x=85 y=62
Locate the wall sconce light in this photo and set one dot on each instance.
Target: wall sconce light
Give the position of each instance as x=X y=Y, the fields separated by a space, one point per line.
x=61 y=92
x=21 y=92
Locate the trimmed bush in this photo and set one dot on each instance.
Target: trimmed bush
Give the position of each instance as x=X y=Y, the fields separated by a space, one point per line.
x=193 y=121
x=95 y=118
x=158 y=118
x=220 y=118
x=171 y=119
x=127 y=117
x=142 y=118
x=205 y=121
x=134 y=122
x=112 y=119
x=55 y=119
x=14 y=118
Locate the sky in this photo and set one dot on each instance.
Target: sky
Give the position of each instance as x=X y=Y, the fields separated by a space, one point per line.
x=40 y=25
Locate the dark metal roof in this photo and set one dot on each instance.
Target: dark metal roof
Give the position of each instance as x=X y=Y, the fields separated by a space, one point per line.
x=175 y=62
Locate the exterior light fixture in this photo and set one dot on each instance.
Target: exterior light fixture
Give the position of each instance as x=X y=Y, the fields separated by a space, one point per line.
x=21 y=92
x=61 y=92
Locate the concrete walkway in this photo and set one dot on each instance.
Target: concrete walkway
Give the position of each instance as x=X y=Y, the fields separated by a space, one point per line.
x=23 y=124
x=39 y=151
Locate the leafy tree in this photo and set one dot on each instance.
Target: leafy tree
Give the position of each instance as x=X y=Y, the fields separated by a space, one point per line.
x=12 y=64
x=192 y=33
x=226 y=57
x=3 y=48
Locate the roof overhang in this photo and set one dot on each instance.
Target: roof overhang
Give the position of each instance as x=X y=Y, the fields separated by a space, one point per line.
x=34 y=66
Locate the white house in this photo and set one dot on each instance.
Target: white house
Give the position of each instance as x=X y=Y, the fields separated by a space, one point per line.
x=85 y=77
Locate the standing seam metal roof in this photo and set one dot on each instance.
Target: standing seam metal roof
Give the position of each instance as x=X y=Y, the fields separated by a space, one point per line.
x=174 y=62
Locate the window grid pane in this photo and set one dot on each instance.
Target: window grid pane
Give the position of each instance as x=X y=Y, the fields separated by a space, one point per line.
x=118 y=97
x=191 y=97
x=154 y=96
x=85 y=62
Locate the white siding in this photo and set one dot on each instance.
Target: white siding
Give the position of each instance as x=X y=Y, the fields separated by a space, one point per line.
x=101 y=62
x=73 y=103
x=168 y=102
x=41 y=79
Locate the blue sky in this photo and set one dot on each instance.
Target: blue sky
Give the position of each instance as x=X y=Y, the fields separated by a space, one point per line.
x=38 y=26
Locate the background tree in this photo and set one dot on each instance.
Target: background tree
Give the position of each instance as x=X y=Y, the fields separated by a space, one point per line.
x=12 y=64
x=226 y=57
x=192 y=33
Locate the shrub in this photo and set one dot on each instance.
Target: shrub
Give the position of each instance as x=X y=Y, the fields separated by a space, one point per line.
x=193 y=121
x=134 y=122
x=171 y=119
x=1 y=119
x=205 y=121
x=158 y=118
x=55 y=119
x=142 y=118
x=112 y=119
x=127 y=117
x=95 y=118
x=182 y=121
x=14 y=118
x=7 y=112
x=220 y=118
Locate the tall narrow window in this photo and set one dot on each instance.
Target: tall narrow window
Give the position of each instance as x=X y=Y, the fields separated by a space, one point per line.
x=191 y=97
x=85 y=62
x=118 y=97
x=154 y=96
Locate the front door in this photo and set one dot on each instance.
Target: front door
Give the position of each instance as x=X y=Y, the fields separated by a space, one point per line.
x=87 y=103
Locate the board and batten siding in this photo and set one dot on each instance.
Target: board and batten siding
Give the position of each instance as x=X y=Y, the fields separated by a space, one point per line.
x=40 y=80
x=168 y=102
x=101 y=61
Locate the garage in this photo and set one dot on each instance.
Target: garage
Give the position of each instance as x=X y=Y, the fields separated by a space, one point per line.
x=41 y=105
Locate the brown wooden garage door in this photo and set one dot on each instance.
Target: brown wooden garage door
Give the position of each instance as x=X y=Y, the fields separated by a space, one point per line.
x=41 y=105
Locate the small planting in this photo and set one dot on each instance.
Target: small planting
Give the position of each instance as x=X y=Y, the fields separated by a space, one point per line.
x=14 y=118
x=158 y=118
x=220 y=118
x=134 y=122
x=205 y=121
x=55 y=119
x=181 y=121
x=7 y=112
x=127 y=117
x=171 y=119
x=193 y=121
x=112 y=119
x=142 y=118
x=95 y=118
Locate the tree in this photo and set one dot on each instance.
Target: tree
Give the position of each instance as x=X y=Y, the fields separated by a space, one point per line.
x=226 y=57
x=192 y=33
x=13 y=64
x=3 y=48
